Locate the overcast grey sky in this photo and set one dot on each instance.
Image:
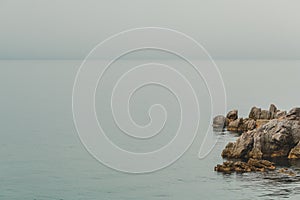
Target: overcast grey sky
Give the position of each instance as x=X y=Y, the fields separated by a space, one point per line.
x=69 y=29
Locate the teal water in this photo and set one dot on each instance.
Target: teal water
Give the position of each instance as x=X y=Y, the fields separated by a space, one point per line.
x=41 y=156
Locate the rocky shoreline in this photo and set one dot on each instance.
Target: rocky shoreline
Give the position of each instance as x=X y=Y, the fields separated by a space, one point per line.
x=265 y=134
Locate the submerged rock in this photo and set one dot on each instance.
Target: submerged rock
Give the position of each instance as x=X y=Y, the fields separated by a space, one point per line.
x=253 y=165
x=287 y=171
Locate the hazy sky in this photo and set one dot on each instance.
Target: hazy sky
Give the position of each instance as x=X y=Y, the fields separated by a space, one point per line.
x=69 y=29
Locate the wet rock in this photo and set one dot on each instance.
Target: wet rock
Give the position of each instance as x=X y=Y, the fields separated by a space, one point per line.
x=232 y=115
x=220 y=122
x=253 y=165
x=255 y=113
x=261 y=164
x=287 y=171
x=295 y=152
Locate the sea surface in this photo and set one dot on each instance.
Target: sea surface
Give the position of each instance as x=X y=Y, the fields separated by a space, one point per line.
x=42 y=157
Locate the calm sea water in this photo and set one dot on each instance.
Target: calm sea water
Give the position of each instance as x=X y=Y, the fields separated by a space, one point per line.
x=41 y=156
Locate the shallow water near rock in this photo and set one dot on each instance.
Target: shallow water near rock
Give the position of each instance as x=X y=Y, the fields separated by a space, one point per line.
x=41 y=156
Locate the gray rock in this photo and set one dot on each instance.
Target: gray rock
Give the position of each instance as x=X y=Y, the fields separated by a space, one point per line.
x=220 y=122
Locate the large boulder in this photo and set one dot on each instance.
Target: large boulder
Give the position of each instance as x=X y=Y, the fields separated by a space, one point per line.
x=274 y=139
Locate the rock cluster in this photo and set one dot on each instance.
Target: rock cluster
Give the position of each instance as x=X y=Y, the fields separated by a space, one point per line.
x=253 y=165
x=266 y=134
x=257 y=117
